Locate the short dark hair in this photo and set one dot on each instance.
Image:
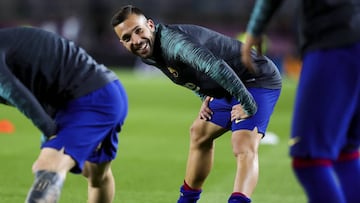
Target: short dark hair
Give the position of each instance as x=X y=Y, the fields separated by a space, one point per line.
x=124 y=12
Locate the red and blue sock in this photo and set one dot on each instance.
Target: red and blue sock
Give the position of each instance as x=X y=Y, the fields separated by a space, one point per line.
x=237 y=197
x=317 y=178
x=188 y=195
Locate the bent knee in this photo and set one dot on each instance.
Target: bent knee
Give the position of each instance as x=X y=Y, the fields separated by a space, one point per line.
x=96 y=179
x=199 y=139
x=202 y=133
x=245 y=154
x=245 y=143
x=53 y=160
x=99 y=181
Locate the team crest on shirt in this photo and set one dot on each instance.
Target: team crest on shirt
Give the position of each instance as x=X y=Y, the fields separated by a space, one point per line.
x=173 y=72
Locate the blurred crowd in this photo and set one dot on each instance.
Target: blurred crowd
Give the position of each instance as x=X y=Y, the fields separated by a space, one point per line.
x=87 y=22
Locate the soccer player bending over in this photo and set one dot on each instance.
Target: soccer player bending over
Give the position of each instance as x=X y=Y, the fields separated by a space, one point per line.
x=234 y=99
x=78 y=104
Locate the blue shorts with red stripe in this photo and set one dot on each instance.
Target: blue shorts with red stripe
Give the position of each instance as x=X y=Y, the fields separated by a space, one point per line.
x=327 y=108
x=89 y=125
x=265 y=100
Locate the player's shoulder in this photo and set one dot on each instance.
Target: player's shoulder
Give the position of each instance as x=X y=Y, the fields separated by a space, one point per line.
x=187 y=28
x=189 y=31
x=26 y=32
x=19 y=29
x=11 y=36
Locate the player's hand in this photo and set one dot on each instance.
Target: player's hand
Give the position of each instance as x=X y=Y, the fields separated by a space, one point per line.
x=238 y=113
x=250 y=42
x=205 y=112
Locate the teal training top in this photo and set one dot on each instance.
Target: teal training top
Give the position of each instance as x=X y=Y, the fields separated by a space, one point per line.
x=41 y=71
x=322 y=24
x=209 y=63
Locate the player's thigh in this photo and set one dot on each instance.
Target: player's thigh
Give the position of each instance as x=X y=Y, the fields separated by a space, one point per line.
x=325 y=103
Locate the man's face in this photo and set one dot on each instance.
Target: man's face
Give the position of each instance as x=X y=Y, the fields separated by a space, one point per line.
x=136 y=33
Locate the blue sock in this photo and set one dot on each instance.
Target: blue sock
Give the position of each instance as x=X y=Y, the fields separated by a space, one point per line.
x=238 y=197
x=318 y=180
x=188 y=195
x=347 y=168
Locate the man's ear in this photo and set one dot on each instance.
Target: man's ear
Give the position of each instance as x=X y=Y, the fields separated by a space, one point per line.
x=151 y=24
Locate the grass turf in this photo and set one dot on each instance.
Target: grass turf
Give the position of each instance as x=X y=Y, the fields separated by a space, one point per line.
x=153 y=149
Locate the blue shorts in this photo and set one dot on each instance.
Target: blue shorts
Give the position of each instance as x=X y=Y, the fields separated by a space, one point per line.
x=88 y=125
x=265 y=100
x=327 y=109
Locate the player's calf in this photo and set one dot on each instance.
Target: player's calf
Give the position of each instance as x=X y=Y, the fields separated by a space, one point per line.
x=46 y=188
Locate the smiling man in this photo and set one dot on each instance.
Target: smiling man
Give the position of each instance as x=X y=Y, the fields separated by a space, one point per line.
x=234 y=99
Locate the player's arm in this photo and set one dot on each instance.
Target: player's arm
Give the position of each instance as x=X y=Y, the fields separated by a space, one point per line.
x=4 y=101
x=191 y=53
x=17 y=95
x=260 y=16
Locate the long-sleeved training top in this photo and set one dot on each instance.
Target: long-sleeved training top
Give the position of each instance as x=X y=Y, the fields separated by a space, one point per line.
x=322 y=23
x=209 y=63
x=41 y=71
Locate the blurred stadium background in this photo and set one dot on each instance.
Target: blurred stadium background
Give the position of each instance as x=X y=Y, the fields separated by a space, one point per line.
x=88 y=23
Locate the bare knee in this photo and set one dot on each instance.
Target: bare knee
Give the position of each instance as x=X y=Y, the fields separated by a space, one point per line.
x=199 y=139
x=243 y=150
x=53 y=160
x=245 y=154
x=203 y=134
x=98 y=181
x=245 y=144
x=97 y=174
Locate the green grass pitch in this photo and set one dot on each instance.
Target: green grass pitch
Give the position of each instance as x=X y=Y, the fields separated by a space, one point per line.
x=153 y=149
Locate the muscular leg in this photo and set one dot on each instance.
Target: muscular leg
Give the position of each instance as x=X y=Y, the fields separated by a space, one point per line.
x=245 y=145
x=101 y=184
x=50 y=171
x=201 y=152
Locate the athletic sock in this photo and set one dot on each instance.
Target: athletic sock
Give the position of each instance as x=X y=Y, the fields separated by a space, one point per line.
x=188 y=195
x=318 y=180
x=347 y=168
x=237 y=197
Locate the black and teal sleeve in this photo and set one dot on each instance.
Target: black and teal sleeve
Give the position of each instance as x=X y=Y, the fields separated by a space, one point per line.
x=261 y=15
x=180 y=47
x=14 y=93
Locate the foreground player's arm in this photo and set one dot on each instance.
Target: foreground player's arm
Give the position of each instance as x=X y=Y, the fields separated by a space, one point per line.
x=17 y=95
x=202 y=59
x=260 y=16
